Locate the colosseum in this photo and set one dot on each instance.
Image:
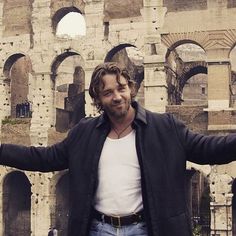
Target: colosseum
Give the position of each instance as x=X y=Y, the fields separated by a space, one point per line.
x=181 y=53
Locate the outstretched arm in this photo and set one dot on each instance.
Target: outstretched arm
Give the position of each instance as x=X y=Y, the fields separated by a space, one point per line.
x=203 y=149
x=42 y=159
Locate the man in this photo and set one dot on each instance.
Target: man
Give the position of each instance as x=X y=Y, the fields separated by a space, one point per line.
x=126 y=166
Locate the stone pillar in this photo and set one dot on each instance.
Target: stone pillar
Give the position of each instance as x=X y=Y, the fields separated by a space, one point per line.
x=218 y=84
x=5 y=97
x=43 y=109
x=94 y=20
x=155 y=86
x=221 y=205
x=1 y=18
x=219 y=77
x=40 y=207
x=42 y=25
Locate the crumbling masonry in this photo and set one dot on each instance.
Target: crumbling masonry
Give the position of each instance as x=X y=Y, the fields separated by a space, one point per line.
x=53 y=73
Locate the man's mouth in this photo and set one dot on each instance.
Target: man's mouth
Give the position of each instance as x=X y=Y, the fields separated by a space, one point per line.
x=117 y=104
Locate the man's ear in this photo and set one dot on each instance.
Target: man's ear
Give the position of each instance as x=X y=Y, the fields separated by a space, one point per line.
x=133 y=90
x=97 y=102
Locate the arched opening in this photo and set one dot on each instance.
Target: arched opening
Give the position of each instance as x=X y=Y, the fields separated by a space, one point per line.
x=186 y=66
x=17 y=70
x=234 y=207
x=128 y=56
x=199 y=202
x=63 y=23
x=232 y=57
x=16 y=205
x=69 y=82
x=62 y=205
x=193 y=85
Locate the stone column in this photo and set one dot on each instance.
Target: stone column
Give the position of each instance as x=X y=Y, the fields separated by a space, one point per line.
x=5 y=97
x=221 y=205
x=94 y=20
x=43 y=109
x=1 y=18
x=155 y=87
x=218 y=84
x=219 y=76
x=40 y=207
x=41 y=22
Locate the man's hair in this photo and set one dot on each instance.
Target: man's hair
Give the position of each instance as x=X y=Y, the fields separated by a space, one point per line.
x=99 y=72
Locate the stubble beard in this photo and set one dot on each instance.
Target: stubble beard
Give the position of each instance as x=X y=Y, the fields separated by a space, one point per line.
x=118 y=115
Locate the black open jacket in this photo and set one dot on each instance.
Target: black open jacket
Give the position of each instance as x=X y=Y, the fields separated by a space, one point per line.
x=163 y=146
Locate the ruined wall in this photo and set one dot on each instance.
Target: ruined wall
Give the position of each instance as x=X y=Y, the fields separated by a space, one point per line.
x=178 y=5
x=17 y=17
x=122 y=9
x=153 y=29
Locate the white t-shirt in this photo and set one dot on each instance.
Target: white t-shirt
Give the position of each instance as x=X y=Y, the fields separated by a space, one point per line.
x=119 y=178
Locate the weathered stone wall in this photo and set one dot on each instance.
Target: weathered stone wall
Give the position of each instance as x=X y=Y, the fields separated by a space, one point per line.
x=17 y=17
x=155 y=28
x=185 y=5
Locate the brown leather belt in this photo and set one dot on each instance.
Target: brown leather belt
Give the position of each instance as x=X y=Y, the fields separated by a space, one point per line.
x=118 y=221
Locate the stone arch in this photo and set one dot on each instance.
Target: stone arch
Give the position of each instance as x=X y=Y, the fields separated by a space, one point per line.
x=191 y=69
x=181 y=65
x=135 y=67
x=194 y=92
x=9 y=63
x=16 y=210
x=174 y=45
x=116 y=49
x=59 y=14
x=60 y=199
x=16 y=70
x=58 y=60
x=70 y=90
x=234 y=206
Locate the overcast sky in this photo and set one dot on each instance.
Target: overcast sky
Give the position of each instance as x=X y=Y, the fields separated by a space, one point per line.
x=72 y=24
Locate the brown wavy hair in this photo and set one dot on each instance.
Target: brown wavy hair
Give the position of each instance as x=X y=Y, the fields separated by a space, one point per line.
x=102 y=70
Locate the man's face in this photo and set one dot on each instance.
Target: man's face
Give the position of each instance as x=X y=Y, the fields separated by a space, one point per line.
x=115 y=97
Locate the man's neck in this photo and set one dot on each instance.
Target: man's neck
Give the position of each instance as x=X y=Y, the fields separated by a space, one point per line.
x=121 y=122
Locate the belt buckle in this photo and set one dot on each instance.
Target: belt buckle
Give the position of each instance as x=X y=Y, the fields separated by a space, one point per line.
x=118 y=219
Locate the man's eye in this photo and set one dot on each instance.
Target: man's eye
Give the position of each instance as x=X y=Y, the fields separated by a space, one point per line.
x=106 y=94
x=122 y=89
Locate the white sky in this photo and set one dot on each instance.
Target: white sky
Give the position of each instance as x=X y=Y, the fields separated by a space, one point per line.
x=72 y=24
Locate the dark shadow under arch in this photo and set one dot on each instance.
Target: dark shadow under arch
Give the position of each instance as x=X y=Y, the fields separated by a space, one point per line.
x=114 y=50
x=16 y=204
x=193 y=71
x=58 y=60
x=62 y=204
x=9 y=62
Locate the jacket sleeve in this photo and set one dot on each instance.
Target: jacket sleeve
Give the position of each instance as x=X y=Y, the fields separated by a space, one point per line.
x=206 y=149
x=44 y=159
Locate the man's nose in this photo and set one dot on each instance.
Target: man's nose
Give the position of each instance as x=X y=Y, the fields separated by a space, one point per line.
x=116 y=96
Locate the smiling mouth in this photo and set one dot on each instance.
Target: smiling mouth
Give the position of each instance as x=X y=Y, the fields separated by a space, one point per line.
x=118 y=104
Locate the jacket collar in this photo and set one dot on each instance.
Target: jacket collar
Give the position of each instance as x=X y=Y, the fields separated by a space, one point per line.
x=140 y=115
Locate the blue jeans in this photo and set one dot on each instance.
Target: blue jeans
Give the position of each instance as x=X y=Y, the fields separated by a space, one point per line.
x=99 y=228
